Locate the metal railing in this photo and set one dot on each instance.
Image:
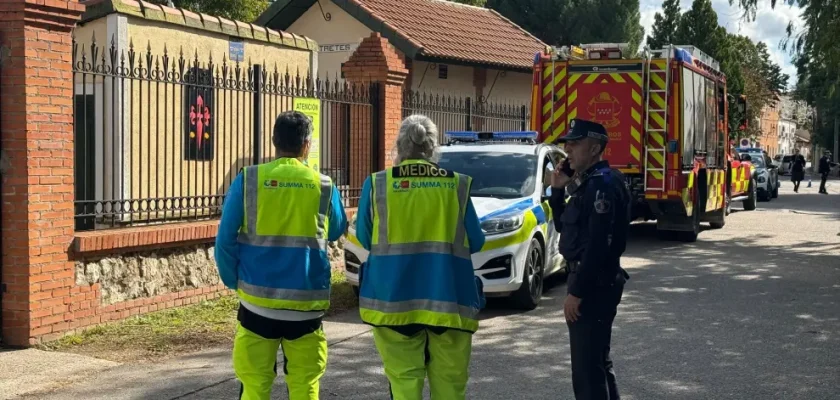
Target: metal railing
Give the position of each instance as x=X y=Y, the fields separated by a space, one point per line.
x=456 y=113
x=160 y=137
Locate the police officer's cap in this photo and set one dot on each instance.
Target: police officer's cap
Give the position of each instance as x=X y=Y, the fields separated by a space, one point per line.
x=581 y=129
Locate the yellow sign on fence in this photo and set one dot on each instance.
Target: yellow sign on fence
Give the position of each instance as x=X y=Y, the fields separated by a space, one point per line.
x=312 y=109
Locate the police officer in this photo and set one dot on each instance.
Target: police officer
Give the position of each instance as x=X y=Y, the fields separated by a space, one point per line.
x=593 y=225
x=272 y=249
x=824 y=169
x=418 y=288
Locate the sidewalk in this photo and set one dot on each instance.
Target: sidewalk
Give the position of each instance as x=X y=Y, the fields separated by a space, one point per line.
x=36 y=374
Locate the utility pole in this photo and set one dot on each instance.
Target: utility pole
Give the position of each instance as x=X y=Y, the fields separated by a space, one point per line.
x=836 y=135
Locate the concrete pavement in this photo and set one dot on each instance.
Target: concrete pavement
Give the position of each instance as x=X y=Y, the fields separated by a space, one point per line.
x=748 y=312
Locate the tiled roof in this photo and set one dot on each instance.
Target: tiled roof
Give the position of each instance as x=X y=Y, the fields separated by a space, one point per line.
x=432 y=29
x=451 y=30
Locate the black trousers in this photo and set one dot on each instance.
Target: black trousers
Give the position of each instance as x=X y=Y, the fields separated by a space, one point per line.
x=822 y=182
x=593 y=377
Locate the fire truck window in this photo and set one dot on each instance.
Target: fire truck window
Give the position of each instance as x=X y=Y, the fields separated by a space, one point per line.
x=688 y=116
x=711 y=123
x=700 y=112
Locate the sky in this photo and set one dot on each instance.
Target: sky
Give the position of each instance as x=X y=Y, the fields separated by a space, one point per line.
x=769 y=26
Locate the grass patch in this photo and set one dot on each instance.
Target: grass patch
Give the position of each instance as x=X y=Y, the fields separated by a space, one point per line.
x=175 y=331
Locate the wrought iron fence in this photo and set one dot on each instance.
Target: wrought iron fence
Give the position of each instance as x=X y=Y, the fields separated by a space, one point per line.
x=455 y=113
x=160 y=137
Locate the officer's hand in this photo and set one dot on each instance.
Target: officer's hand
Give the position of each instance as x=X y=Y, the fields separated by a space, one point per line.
x=571 y=308
x=559 y=179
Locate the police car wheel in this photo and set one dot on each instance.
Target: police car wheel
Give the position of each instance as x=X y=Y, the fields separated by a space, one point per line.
x=529 y=294
x=749 y=203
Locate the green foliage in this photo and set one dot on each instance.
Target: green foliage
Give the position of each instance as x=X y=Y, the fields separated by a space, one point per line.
x=240 y=10
x=665 y=25
x=564 y=22
x=816 y=56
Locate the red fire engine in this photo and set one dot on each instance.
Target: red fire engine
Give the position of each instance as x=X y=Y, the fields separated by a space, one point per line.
x=666 y=115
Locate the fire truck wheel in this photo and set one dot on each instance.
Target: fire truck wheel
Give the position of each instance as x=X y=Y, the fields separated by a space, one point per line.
x=749 y=203
x=728 y=204
x=529 y=294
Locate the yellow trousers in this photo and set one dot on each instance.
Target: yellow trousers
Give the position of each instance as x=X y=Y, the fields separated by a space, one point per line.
x=445 y=358
x=255 y=364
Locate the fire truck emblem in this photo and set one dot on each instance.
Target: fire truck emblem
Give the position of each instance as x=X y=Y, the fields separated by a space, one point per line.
x=604 y=109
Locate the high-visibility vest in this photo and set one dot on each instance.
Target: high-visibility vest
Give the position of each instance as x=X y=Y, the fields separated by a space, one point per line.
x=419 y=270
x=286 y=224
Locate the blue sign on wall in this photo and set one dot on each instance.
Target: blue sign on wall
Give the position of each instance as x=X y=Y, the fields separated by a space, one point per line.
x=237 y=49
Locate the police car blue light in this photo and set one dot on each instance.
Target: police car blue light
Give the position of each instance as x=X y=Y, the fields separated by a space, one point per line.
x=491 y=136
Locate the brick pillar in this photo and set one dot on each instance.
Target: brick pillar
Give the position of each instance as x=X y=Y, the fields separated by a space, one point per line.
x=36 y=138
x=376 y=61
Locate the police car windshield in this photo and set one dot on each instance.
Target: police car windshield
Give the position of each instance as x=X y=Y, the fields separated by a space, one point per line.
x=757 y=160
x=500 y=175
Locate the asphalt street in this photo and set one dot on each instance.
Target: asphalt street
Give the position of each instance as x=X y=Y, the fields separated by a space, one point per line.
x=750 y=311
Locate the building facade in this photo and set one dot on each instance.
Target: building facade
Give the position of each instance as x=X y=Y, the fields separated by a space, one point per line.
x=786 y=136
x=489 y=59
x=769 y=126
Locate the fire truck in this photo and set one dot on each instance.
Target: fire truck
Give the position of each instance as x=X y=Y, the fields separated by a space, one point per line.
x=666 y=115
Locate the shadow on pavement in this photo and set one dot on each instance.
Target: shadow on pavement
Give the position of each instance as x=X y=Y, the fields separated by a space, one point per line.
x=734 y=315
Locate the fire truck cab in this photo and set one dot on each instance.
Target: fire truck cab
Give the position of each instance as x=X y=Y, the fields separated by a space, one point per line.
x=666 y=115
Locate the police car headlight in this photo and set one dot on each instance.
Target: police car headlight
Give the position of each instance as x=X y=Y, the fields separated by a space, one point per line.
x=502 y=225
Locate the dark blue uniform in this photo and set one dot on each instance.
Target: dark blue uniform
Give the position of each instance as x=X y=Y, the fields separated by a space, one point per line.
x=593 y=226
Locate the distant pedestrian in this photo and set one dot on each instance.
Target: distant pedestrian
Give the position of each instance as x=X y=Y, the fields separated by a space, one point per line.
x=797 y=170
x=824 y=169
x=593 y=226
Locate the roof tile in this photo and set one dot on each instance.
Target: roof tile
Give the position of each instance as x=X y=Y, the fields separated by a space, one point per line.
x=451 y=30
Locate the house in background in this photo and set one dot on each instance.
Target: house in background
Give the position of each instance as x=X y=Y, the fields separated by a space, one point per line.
x=769 y=125
x=787 y=136
x=803 y=142
x=448 y=48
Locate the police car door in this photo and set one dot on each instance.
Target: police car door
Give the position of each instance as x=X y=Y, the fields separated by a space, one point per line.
x=552 y=159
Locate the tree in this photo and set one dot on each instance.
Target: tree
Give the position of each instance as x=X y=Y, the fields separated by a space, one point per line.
x=239 y=10
x=817 y=58
x=564 y=22
x=665 y=25
x=699 y=27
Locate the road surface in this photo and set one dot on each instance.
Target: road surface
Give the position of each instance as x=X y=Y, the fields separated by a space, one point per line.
x=751 y=311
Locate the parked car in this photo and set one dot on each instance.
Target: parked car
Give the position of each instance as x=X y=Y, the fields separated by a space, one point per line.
x=767 y=175
x=783 y=162
x=510 y=192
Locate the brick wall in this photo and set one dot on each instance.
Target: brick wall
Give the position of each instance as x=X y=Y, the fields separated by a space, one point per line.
x=57 y=280
x=376 y=61
x=37 y=189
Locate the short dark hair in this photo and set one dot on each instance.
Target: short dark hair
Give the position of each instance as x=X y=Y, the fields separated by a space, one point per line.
x=291 y=130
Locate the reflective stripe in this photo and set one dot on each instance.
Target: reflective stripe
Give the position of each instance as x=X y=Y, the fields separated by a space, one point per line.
x=283 y=294
x=381 y=196
x=461 y=230
x=324 y=206
x=282 y=241
x=416 y=305
x=394 y=249
x=251 y=176
x=382 y=247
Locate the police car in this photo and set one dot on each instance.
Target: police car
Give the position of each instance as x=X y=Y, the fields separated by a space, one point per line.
x=510 y=189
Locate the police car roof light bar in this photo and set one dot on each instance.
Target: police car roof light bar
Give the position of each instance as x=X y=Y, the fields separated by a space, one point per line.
x=475 y=136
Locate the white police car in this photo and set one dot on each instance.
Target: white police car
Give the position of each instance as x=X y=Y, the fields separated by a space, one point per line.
x=510 y=186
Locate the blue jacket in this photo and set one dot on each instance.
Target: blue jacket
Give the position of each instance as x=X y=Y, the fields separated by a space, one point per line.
x=396 y=278
x=237 y=261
